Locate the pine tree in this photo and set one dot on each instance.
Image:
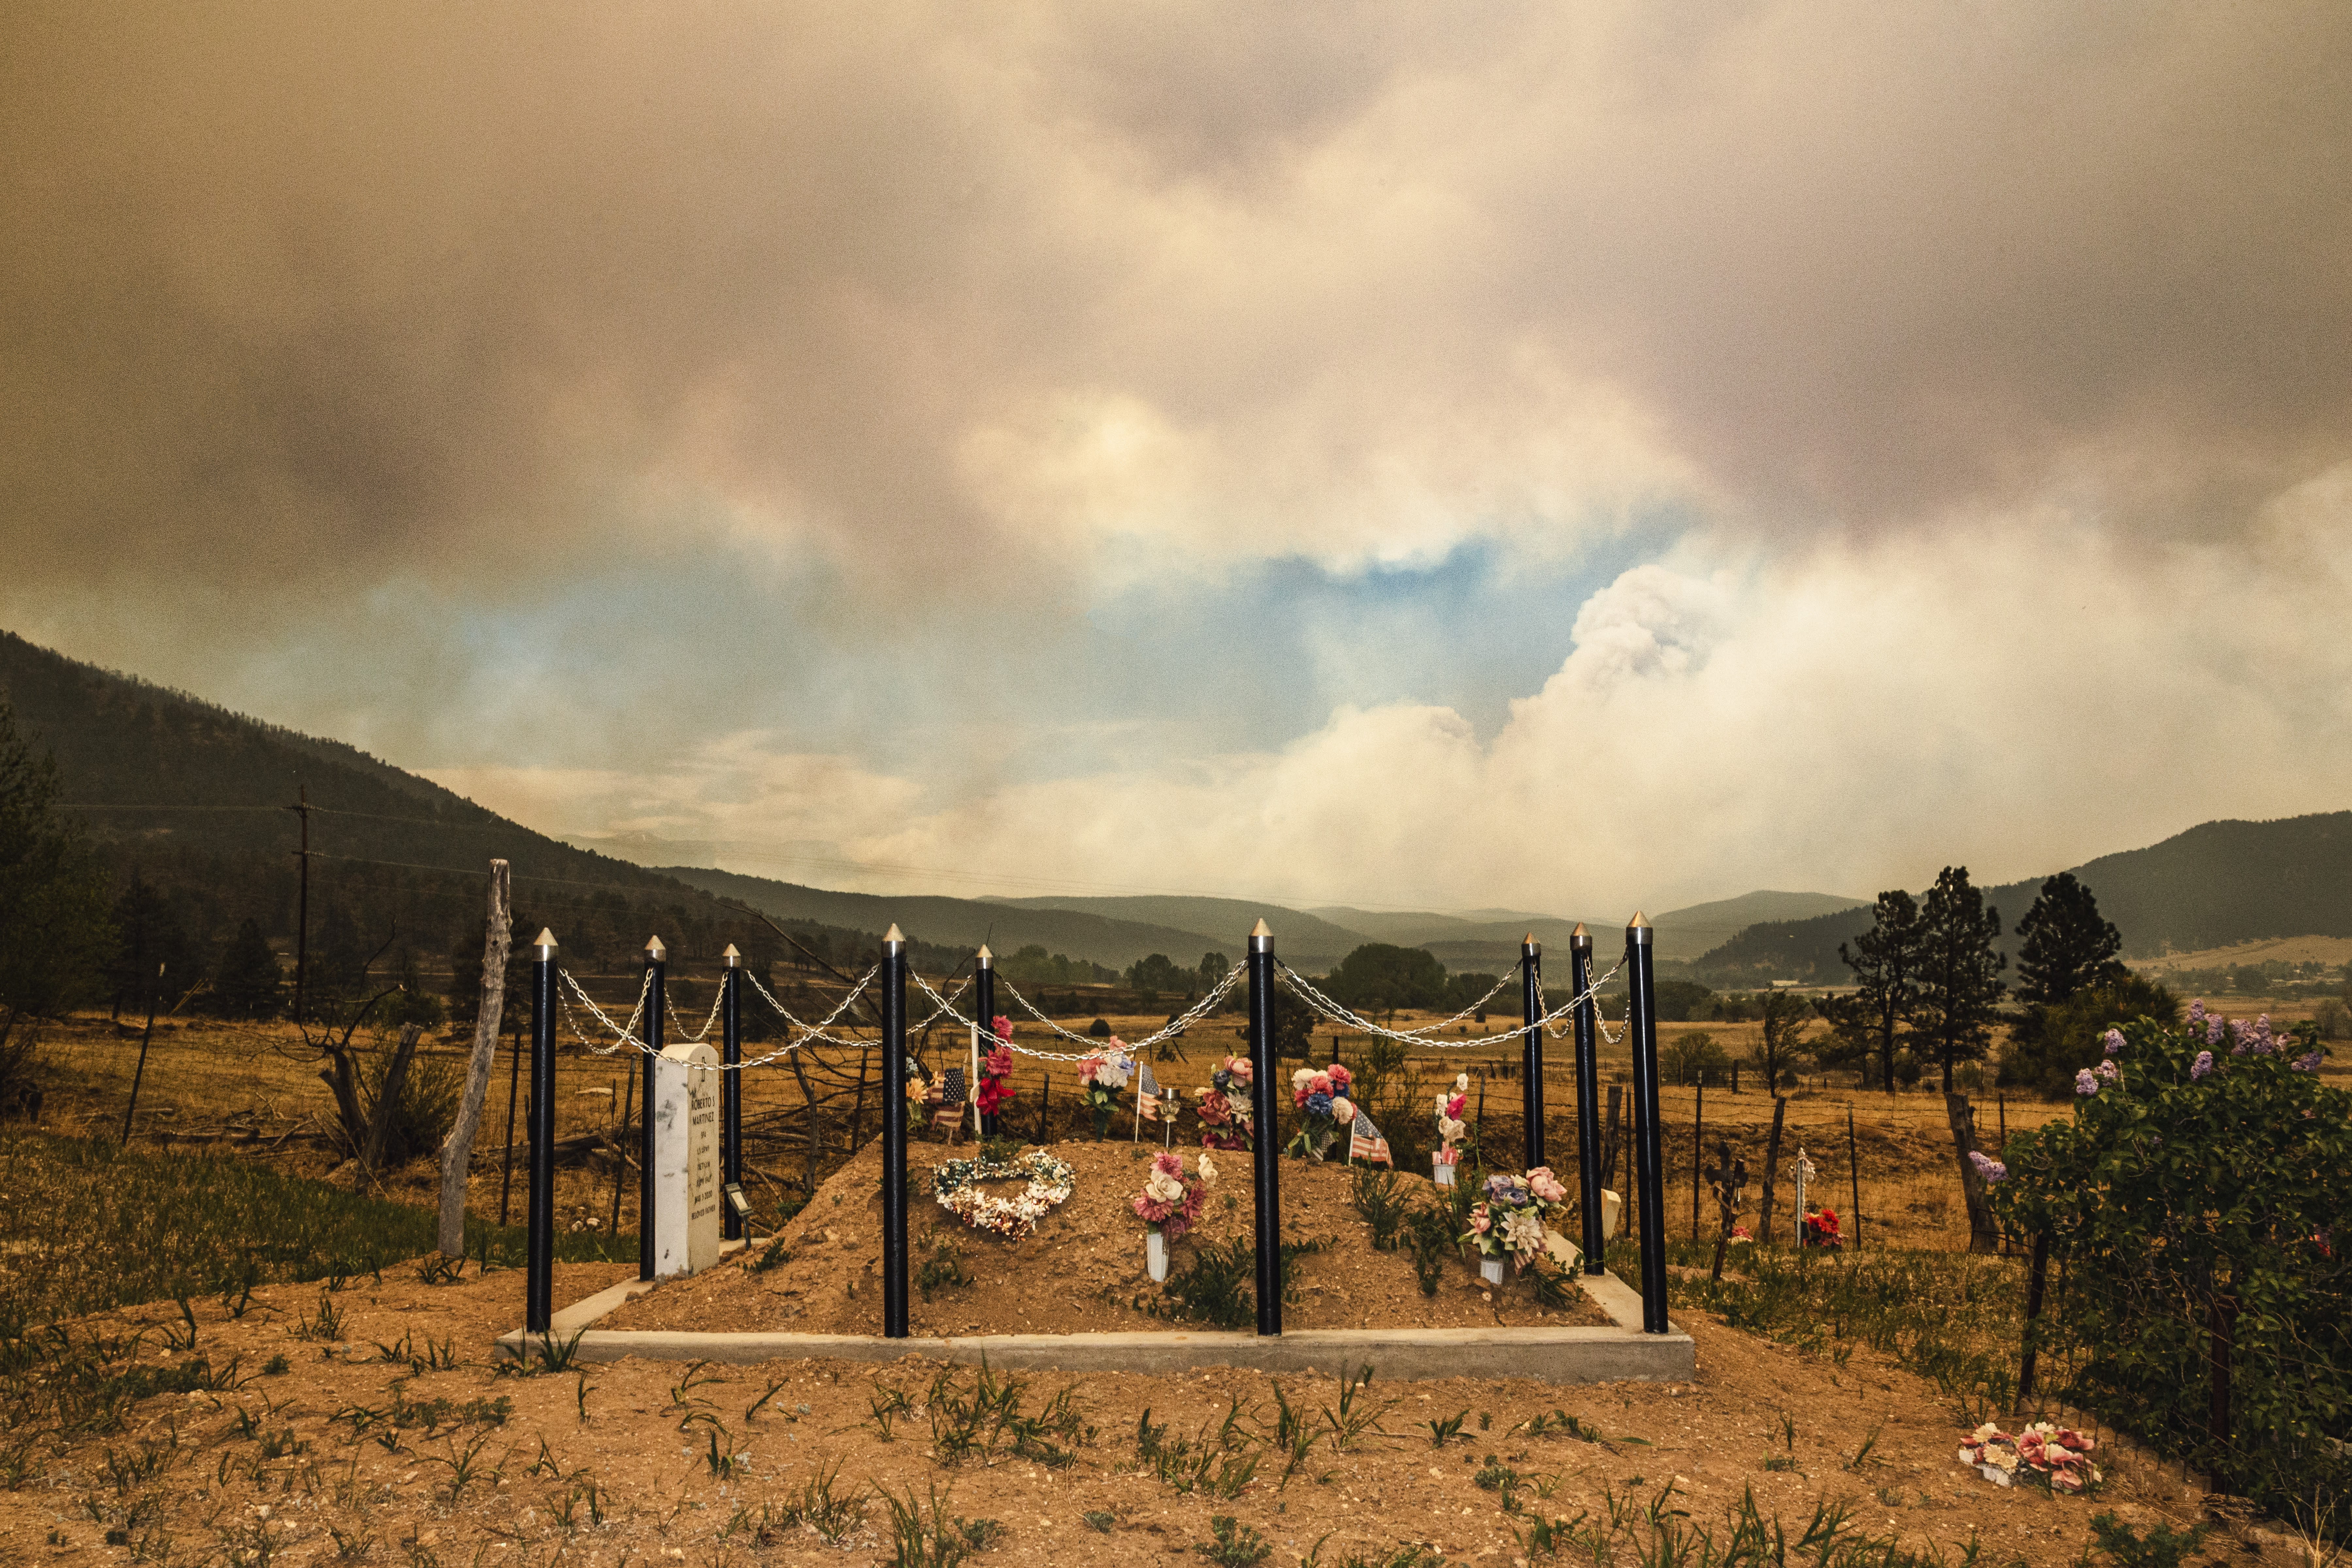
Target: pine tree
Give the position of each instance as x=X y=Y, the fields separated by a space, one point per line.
x=1885 y=962
x=247 y=983
x=2067 y=946
x=1959 y=971
x=54 y=933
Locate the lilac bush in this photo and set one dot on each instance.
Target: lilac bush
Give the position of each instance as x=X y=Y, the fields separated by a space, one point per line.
x=2191 y=1196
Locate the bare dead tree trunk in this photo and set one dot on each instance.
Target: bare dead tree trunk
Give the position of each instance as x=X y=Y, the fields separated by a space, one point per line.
x=387 y=1100
x=458 y=1152
x=810 y=1096
x=1771 y=1171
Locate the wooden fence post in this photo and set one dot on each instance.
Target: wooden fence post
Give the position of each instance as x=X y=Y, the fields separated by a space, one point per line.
x=458 y=1152
x=1771 y=1171
x=1984 y=1236
x=2037 y=1274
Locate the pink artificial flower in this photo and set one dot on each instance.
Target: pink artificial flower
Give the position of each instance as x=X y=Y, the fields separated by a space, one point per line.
x=1320 y=1084
x=1341 y=1075
x=1002 y=1026
x=1456 y=1106
x=1545 y=1185
x=1239 y=1067
x=997 y=1063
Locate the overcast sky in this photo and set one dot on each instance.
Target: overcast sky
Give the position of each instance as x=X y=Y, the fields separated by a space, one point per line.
x=1559 y=457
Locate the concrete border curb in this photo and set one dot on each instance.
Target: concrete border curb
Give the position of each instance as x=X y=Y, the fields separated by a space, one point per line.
x=1619 y=1352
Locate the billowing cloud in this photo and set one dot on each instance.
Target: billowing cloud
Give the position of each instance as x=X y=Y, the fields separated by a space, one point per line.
x=2020 y=696
x=547 y=396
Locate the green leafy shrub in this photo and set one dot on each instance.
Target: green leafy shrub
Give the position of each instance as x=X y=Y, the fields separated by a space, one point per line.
x=2192 y=1199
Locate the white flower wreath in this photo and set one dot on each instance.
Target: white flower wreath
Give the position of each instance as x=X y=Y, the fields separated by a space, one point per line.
x=956 y=1185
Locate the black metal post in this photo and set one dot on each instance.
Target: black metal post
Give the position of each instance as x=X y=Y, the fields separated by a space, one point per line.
x=539 y=1207
x=983 y=1007
x=656 y=972
x=730 y=1089
x=1267 y=1160
x=1649 y=1157
x=893 y=1135
x=1588 y=1097
x=1531 y=1051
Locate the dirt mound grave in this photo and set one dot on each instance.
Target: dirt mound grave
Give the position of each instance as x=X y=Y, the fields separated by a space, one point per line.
x=1083 y=1269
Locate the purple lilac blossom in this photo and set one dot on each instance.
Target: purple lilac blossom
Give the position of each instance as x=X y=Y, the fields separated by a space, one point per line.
x=2114 y=1039
x=2197 y=1012
x=2108 y=1070
x=1989 y=1169
x=2202 y=1066
x=2307 y=1063
x=2084 y=1083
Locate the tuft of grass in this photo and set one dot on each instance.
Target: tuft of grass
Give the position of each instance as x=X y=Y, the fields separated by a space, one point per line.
x=1233 y=1544
x=1447 y=1427
x=1098 y=1520
x=2161 y=1547
x=943 y=1270
x=923 y=1536
x=1381 y=1199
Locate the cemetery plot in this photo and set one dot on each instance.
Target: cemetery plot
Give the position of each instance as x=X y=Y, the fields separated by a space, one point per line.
x=1084 y=1267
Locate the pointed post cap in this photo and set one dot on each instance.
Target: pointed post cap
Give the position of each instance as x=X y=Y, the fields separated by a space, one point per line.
x=1261 y=937
x=1637 y=930
x=732 y=958
x=1579 y=937
x=984 y=958
x=894 y=936
x=546 y=943
x=654 y=951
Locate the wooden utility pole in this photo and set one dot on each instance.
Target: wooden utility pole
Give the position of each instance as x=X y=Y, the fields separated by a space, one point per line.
x=301 y=808
x=458 y=1152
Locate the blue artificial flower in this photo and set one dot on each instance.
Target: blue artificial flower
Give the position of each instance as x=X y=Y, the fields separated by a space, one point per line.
x=1318 y=1104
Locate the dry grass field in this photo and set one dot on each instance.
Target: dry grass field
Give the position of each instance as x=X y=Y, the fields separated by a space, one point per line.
x=354 y=1412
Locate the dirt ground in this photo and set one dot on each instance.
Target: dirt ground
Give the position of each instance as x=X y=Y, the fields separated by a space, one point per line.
x=1083 y=1270
x=354 y=1452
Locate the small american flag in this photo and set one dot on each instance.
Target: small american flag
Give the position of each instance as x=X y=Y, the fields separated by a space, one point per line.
x=1365 y=1143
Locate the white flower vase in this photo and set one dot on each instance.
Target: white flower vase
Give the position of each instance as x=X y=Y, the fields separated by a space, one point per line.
x=1490 y=1270
x=1155 y=1255
x=1440 y=1172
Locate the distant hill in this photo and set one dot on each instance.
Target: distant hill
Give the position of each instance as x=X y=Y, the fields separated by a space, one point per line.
x=2216 y=884
x=1223 y=924
x=1006 y=925
x=193 y=798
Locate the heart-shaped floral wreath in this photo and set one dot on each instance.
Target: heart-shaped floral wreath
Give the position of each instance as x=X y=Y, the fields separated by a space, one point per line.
x=956 y=1185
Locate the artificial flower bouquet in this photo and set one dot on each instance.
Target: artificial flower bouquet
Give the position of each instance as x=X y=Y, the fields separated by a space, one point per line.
x=1509 y=1222
x=1228 y=1116
x=1324 y=1109
x=2058 y=1457
x=1821 y=1230
x=1449 y=1128
x=1101 y=1074
x=1171 y=1202
x=995 y=1089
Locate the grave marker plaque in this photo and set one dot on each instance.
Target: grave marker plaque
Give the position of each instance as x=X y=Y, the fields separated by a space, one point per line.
x=686 y=1161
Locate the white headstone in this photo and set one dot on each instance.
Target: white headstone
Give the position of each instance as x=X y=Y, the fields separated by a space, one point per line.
x=686 y=1161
